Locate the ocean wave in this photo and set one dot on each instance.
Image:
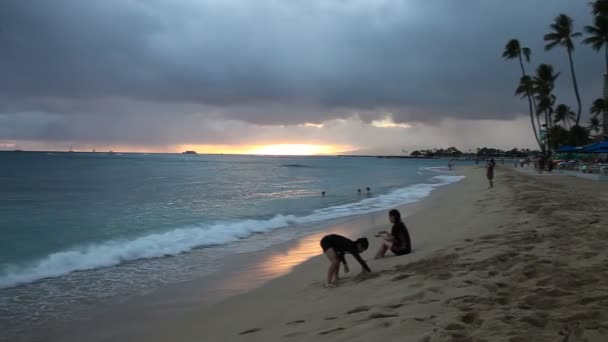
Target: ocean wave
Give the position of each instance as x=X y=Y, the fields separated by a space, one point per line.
x=115 y=252
x=435 y=168
x=296 y=165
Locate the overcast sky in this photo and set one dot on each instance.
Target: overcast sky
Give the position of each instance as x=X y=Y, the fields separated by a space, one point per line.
x=162 y=74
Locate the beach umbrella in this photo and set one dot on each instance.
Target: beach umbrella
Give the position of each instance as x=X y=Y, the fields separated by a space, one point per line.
x=595 y=148
x=568 y=148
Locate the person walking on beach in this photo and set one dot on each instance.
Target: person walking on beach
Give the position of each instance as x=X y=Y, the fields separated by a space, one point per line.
x=335 y=247
x=398 y=241
x=490 y=172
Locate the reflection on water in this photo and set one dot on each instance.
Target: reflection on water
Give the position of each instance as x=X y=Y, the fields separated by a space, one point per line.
x=276 y=264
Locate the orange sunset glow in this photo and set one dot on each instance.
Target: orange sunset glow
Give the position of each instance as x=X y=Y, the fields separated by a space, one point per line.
x=271 y=149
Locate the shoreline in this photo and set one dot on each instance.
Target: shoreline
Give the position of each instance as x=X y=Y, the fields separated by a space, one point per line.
x=182 y=298
x=485 y=267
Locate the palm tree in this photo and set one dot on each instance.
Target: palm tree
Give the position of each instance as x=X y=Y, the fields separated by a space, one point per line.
x=598 y=36
x=594 y=124
x=598 y=107
x=564 y=114
x=525 y=89
x=543 y=84
x=514 y=50
x=562 y=35
x=545 y=106
x=599 y=7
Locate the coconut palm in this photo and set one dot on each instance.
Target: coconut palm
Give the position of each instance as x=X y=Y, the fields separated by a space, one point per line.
x=524 y=89
x=598 y=36
x=544 y=80
x=599 y=7
x=594 y=124
x=563 y=114
x=513 y=50
x=562 y=34
x=543 y=84
x=598 y=107
x=545 y=105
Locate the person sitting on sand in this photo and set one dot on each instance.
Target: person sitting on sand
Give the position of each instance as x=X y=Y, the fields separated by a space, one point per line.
x=335 y=247
x=398 y=241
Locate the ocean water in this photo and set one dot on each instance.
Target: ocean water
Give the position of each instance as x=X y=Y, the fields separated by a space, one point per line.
x=77 y=229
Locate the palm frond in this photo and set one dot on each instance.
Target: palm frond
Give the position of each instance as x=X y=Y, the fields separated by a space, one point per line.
x=512 y=49
x=599 y=7
x=552 y=45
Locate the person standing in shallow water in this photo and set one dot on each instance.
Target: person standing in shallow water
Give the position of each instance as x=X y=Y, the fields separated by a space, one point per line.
x=398 y=241
x=490 y=172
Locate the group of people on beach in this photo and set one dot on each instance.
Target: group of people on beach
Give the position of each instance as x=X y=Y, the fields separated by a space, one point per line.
x=335 y=247
x=541 y=163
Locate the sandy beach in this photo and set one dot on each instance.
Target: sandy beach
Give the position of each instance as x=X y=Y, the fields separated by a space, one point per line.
x=525 y=261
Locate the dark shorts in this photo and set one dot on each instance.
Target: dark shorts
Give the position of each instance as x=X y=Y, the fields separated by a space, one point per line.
x=403 y=251
x=326 y=244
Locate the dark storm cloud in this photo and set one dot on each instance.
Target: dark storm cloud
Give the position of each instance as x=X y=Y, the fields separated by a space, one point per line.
x=274 y=61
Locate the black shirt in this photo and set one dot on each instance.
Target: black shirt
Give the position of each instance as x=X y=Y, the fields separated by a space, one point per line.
x=341 y=246
x=401 y=237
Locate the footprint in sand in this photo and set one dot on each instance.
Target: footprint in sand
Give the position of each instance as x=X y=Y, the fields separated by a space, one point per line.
x=444 y=276
x=456 y=331
x=330 y=331
x=382 y=315
x=416 y=296
x=423 y=319
x=294 y=334
x=455 y=326
x=469 y=318
x=296 y=322
x=359 y=309
x=330 y=318
x=394 y=306
x=250 y=331
x=402 y=276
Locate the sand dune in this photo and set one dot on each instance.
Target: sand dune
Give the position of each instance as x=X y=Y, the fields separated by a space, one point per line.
x=525 y=261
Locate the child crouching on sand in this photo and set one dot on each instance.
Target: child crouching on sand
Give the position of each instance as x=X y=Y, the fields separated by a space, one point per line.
x=334 y=247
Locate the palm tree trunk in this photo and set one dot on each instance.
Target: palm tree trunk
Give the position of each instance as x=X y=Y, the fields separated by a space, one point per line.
x=606 y=56
x=538 y=125
x=530 y=105
x=605 y=112
x=578 y=96
x=532 y=120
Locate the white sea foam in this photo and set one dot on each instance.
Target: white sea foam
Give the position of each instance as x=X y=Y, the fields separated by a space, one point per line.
x=184 y=239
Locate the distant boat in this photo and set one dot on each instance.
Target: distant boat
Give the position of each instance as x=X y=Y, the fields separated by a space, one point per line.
x=111 y=153
x=189 y=152
x=71 y=150
x=17 y=150
x=93 y=151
